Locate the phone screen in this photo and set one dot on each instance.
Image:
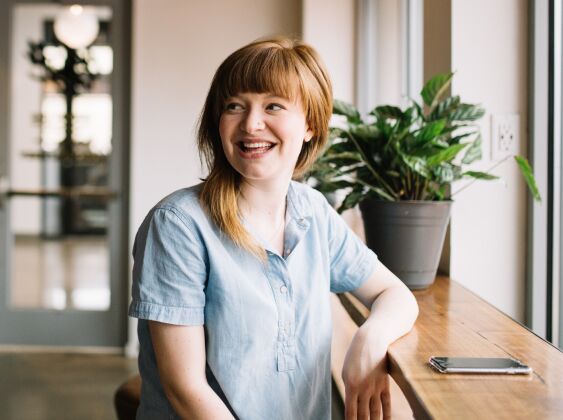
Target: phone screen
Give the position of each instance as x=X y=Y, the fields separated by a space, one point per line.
x=477 y=362
x=478 y=365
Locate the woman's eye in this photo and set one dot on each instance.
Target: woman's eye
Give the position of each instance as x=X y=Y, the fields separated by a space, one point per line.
x=233 y=106
x=275 y=107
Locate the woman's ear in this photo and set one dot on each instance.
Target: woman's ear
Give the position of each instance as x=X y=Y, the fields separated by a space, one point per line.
x=308 y=135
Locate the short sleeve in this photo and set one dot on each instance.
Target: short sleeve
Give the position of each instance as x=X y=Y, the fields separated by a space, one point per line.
x=169 y=270
x=351 y=261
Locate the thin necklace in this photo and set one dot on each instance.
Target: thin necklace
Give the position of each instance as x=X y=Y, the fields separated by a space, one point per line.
x=280 y=225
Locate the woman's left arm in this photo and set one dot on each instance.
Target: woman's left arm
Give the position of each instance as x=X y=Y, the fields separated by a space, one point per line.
x=393 y=312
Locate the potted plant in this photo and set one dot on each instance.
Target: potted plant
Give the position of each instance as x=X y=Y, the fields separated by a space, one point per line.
x=397 y=164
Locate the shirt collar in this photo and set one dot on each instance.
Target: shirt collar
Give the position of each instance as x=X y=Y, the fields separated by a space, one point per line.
x=297 y=207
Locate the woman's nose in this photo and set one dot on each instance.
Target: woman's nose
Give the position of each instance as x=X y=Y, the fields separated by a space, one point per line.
x=253 y=121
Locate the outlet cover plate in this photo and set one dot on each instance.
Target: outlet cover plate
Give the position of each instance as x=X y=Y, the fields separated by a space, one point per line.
x=505 y=135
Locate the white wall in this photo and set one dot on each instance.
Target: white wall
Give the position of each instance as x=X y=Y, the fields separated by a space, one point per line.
x=488 y=230
x=329 y=26
x=177 y=46
x=390 y=53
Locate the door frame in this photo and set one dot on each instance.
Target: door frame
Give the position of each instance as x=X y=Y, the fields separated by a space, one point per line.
x=46 y=327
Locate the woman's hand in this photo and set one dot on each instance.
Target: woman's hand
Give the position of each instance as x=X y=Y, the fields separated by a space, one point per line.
x=366 y=380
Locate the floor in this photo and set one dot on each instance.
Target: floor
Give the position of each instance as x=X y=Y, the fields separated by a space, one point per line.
x=56 y=386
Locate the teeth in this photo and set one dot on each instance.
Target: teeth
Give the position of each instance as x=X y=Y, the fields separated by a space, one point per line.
x=256 y=145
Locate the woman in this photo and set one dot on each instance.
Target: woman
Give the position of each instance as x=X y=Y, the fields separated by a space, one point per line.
x=232 y=277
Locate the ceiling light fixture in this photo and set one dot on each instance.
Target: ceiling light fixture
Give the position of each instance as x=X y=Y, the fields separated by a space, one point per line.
x=76 y=27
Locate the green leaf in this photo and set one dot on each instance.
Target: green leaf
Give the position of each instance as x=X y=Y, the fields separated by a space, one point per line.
x=341 y=159
x=331 y=155
x=457 y=139
x=328 y=187
x=428 y=151
x=387 y=111
x=444 y=173
x=444 y=108
x=346 y=109
x=435 y=88
x=417 y=164
x=381 y=193
x=336 y=133
x=480 y=175
x=473 y=153
x=440 y=193
x=417 y=109
x=429 y=131
x=467 y=112
x=352 y=199
x=528 y=175
x=440 y=143
x=365 y=132
x=340 y=146
x=446 y=155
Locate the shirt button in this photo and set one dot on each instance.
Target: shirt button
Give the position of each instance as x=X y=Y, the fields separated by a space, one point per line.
x=287 y=251
x=283 y=289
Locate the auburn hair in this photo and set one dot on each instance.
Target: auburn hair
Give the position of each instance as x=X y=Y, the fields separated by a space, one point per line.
x=279 y=66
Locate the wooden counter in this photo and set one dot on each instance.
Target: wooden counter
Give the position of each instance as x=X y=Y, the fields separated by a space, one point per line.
x=455 y=322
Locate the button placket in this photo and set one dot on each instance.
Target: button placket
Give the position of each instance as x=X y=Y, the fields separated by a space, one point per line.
x=286 y=346
x=285 y=341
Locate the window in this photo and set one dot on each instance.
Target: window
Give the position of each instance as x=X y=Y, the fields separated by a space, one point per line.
x=545 y=294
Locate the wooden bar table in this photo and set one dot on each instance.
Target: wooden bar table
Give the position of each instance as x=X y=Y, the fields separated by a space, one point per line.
x=455 y=322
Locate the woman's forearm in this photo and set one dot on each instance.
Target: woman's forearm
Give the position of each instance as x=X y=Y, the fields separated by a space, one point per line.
x=393 y=314
x=202 y=403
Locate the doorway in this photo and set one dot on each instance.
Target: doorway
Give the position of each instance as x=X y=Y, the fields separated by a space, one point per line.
x=64 y=152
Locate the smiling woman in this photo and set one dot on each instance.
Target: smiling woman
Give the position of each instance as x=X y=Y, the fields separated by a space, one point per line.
x=232 y=277
x=292 y=83
x=262 y=136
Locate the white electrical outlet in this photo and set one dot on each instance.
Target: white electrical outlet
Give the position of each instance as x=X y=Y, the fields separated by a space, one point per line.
x=505 y=136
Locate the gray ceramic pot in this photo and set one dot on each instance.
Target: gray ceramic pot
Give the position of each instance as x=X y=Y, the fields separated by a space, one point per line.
x=407 y=236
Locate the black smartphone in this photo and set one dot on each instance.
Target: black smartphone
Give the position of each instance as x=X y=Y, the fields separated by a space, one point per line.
x=478 y=365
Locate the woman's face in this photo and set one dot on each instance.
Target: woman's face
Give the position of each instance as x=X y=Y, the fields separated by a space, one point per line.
x=262 y=135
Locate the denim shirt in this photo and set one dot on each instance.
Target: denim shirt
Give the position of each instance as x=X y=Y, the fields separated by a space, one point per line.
x=267 y=325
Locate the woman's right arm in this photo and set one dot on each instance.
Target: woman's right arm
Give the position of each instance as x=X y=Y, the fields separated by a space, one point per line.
x=180 y=356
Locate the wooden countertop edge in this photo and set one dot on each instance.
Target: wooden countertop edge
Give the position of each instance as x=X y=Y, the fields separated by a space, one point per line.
x=418 y=407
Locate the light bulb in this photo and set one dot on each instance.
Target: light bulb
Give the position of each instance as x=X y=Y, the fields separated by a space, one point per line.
x=76 y=27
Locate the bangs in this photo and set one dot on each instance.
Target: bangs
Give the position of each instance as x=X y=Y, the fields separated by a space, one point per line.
x=263 y=70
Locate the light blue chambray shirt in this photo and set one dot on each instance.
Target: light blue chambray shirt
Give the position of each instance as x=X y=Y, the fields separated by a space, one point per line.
x=267 y=326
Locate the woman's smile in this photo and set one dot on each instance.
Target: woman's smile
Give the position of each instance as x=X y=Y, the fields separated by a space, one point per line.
x=254 y=149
